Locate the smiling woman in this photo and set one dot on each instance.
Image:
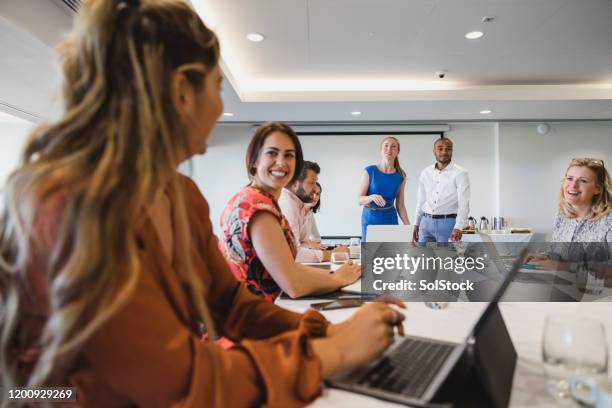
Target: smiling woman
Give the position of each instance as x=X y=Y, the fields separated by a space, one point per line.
x=381 y=192
x=585 y=205
x=257 y=239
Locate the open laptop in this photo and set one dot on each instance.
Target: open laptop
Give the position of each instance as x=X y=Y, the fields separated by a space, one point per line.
x=419 y=371
x=523 y=275
x=389 y=233
x=383 y=233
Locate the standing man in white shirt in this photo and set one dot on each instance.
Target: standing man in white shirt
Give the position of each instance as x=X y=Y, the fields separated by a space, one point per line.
x=292 y=202
x=443 y=199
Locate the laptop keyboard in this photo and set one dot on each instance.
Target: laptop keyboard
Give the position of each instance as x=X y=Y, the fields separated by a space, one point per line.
x=408 y=369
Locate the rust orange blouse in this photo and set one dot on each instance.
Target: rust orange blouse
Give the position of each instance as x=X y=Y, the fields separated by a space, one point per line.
x=149 y=354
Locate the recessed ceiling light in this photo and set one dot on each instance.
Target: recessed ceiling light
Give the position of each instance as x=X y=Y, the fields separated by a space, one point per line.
x=228 y=114
x=356 y=113
x=486 y=111
x=255 y=37
x=473 y=35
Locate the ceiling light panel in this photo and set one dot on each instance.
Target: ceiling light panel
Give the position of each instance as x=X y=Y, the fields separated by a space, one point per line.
x=255 y=37
x=474 y=35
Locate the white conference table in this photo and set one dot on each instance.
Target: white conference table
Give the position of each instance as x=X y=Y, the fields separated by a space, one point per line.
x=525 y=322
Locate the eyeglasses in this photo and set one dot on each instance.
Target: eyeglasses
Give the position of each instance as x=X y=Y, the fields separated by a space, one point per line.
x=596 y=162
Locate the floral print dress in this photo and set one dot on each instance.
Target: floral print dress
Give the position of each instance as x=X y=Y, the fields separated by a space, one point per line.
x=237 y=247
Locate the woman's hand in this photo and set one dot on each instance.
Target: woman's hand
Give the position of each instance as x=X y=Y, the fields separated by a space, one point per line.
x=377 y=199
x=340 y=248
x=550 y=265
x=348 y=273
x=543 y=262
x=315 y=245
x=363 y=337
x=532 y=258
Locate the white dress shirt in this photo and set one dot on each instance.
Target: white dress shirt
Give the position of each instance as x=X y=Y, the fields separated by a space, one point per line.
x=295 y=211
x=443 y=192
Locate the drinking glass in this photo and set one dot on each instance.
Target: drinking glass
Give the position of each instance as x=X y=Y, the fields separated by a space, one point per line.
x=355 y=248
x=572 y=346
x=338 y=259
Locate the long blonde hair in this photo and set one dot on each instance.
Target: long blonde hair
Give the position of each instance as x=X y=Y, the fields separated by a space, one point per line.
x=115 y=148
x=602 y=202
x=396 y=163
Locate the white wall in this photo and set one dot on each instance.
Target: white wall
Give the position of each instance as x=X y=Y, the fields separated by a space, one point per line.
x=13 y=134
x=221 y=172
x=532 y=166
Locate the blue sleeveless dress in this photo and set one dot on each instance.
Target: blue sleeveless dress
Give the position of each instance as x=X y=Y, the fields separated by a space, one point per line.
x=386 y=185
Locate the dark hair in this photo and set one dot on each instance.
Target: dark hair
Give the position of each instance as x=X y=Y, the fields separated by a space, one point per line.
x=316 y=208
x=443 y=139
x=308 y=165
x=257 y=143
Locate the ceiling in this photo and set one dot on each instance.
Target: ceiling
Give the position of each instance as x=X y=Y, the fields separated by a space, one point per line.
x=323 y=59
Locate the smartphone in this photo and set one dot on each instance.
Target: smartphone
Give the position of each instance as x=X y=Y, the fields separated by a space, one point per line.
x=338 y=304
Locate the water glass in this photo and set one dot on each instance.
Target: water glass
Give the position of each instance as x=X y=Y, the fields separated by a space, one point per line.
x=338 y=259
x=355 y=248
x=572 y=346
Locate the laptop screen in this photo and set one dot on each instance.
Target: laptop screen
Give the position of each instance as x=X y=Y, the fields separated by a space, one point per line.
x=493 y=350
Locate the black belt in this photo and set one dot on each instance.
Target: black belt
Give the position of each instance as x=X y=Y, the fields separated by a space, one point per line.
x=436 y=216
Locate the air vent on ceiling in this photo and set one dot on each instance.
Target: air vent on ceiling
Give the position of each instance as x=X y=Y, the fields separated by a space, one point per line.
x=73 y=5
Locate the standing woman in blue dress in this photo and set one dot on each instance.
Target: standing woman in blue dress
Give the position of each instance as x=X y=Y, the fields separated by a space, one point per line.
x=381 y=192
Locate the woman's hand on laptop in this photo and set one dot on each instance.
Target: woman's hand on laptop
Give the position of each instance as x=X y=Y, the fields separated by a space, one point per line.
x=362 y=338
x=534 y=257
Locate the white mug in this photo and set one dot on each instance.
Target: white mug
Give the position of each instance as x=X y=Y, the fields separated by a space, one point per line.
x=598 y=395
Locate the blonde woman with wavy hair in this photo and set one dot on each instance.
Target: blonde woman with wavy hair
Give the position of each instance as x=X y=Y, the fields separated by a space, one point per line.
x=585 y=203
x=109 y=271
x=583 y=227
